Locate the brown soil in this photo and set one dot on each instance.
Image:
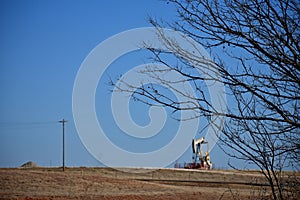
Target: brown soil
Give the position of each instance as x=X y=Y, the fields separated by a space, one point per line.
x=106 y=183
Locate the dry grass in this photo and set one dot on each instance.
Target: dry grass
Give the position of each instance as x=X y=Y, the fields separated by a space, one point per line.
x=106 y=183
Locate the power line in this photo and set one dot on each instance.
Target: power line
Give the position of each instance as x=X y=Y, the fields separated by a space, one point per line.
x=63 y=121
x=26 y=125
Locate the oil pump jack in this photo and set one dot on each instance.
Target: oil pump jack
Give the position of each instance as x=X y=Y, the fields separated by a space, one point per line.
x=199 y=161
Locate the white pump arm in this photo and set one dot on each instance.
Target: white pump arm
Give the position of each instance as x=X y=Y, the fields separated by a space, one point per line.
x=196 y=142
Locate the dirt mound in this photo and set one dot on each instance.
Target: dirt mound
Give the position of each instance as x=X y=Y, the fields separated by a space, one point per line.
x=29 y=164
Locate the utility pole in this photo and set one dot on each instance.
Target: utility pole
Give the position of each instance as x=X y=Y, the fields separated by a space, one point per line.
x=63 y=121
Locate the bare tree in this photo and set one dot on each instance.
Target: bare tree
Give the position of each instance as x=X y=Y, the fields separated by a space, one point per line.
x=255 y=49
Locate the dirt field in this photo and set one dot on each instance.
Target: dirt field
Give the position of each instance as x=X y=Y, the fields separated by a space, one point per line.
x=106 y=183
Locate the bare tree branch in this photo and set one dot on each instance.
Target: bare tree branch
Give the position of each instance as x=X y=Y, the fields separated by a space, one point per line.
x=260 y=67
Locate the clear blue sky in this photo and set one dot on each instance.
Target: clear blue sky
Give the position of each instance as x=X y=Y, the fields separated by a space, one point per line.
x=43 y=44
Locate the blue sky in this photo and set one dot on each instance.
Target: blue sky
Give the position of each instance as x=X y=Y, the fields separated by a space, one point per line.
x=43 y=44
